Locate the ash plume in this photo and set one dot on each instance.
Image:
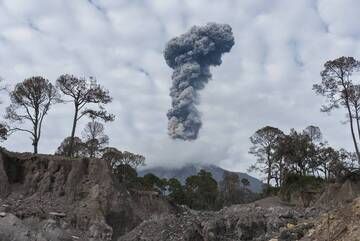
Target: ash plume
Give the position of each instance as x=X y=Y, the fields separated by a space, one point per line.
x=191 y=55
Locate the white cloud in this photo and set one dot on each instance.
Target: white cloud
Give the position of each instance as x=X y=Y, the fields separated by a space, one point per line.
x=266 y=79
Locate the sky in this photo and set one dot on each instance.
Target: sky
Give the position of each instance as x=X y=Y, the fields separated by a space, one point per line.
x=266 y=79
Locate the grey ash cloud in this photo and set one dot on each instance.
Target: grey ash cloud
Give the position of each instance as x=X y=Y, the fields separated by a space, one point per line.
x=191 y=55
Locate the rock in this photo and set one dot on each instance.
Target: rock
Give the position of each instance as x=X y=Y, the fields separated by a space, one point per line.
x=56 y=214
x=295 y=232
x=2 y=214
x=290 y=225
x=239 y=222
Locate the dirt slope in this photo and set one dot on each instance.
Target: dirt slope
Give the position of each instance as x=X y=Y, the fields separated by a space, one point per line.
x=55 y=198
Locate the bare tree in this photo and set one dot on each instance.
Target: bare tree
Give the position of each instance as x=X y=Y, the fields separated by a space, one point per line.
x=264 y=143
x=313 y=132
x=31 y=101
x=84 y=94
x=94 y=138
x=230 y=188
x=3 y=127
x=336 y=86
x=354 y=100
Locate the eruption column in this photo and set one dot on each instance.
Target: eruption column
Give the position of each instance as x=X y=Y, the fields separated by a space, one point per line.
x=190 y=55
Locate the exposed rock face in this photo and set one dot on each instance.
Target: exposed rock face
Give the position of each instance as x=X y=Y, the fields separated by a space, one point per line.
x=342 y=224
x=54 y=198
x=240 y=222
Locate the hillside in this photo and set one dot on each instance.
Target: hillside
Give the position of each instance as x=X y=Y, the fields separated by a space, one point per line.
x=53 y=198
x=192 y=169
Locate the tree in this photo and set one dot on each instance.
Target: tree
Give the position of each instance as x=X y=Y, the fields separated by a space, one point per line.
x=264 y=143
x=84 y=94
x=3 y=128
x=120 y=162
x=31 y=101
x=298 y=151
x=3 y=132
x=201 y=191
x=116 y=158
x=126 y=175
x=78 y=147
x=313 y=132
x=342 y=167
x=230 y=188
x=354 y=100
x=336 y=85
x=325 y=155
x=245 y=182
x=152 y=182
x=176 y=192
x=94 y=138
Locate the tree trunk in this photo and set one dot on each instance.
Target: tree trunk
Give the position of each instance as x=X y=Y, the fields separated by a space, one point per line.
x=350 y=117
x=36 y=147
x=281 y=168
x=269 y=168
x=35 y=134
x=71 y=146
x=357 y=120
x=352 y=130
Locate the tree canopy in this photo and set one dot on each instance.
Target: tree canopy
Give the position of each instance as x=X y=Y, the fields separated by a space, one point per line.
x=84 y=94
x=30 y=102
x=338 y=87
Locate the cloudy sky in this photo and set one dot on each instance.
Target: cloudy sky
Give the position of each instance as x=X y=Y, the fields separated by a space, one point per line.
x=266 y=79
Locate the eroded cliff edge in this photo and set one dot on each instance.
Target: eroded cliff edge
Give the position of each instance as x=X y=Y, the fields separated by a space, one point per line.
x=45 y=197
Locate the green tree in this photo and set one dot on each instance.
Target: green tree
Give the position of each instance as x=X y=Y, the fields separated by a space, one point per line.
x=152 y=182
x=324 y=155
x=116 y=157
x=84 y=94
x=201 y=191
x=31 y=101
x=121 y=162
x=176 y=191
x=127 y=175
x=298 y=151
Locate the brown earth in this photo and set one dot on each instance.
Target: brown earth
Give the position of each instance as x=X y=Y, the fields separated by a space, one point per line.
x=55 y=198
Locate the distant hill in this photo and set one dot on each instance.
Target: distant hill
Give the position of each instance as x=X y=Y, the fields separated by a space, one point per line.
x=192 y=169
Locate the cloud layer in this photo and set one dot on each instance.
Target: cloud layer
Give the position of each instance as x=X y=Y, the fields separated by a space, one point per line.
x=266 y=79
